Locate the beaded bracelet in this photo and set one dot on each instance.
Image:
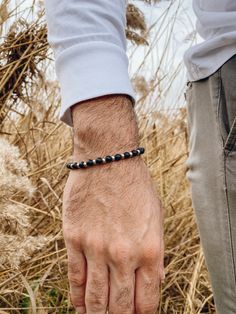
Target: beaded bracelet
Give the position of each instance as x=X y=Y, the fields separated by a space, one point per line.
x=106 y=159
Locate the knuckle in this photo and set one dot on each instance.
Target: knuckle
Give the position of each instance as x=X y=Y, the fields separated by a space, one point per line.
x=146 y=308
x=121 y=252
x=76 y=280
x=72 y=238
x=77 y=301
x=151 y=253
x=96 y=302
x=95 y=245
x=76 y=276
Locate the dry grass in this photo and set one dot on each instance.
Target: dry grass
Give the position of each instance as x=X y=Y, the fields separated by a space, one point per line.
x=33 y=275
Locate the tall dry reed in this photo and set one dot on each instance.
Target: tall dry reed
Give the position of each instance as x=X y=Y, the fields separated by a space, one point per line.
x=34 y=147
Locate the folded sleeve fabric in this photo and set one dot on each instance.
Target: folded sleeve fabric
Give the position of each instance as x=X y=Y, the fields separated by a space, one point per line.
x=89 y=44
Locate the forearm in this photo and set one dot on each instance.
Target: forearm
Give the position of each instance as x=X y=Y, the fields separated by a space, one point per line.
x=104 y=125
x=89 y=43
x=112 y=218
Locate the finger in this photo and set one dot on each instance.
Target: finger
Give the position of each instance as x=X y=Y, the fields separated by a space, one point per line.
x=147 y=289
x=121 y=296
x=96 y=295
x=77 y=279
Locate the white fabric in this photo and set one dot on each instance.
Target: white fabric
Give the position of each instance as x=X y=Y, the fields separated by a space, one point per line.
x=216 y=24
x=89 y=43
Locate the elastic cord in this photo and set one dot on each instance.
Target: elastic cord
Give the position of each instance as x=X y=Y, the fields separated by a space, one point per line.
x=106 y=159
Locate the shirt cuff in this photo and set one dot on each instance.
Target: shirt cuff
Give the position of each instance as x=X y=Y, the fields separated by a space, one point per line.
x=91 y=70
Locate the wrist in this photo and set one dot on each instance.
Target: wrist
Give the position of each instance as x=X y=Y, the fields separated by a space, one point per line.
x=104 y=125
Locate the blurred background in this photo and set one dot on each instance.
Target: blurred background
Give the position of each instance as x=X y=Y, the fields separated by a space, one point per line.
x=34 y=146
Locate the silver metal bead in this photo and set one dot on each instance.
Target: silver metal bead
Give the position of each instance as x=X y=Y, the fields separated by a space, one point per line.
x=113 y=158
x=123 y=156
x=138 y=151
x=104 y=160
x=94 y=161
x=131 y=154
x=85 y=164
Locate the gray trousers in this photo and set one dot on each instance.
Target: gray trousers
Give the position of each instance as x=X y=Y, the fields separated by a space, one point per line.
x=211 y=108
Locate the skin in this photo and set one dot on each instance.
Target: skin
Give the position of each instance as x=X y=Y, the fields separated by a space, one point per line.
x=112 y=217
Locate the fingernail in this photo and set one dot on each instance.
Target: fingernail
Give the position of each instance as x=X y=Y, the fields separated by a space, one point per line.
x=80 y=310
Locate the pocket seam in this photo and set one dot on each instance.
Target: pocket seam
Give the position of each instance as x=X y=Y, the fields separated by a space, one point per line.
x=232 y=132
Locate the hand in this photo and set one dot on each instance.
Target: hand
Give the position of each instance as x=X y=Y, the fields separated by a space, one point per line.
x=113 y=229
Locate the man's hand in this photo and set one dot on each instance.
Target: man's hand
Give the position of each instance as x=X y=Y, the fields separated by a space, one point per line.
x=112 y=218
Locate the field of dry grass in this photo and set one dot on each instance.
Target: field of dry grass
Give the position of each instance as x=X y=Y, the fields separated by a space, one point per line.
x=34 y=147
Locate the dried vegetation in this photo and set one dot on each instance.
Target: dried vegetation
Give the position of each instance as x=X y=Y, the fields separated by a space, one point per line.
x=34 y=146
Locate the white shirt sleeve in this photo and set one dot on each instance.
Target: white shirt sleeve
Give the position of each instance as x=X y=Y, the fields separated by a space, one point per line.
x=89 y=44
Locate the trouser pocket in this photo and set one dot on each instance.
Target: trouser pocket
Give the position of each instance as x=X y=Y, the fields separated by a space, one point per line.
x=227 y=104
x=231 y=138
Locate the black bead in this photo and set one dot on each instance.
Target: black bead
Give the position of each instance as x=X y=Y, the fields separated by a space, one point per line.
x=126 y=155
x=118 y=157
x=99 y=160
x=141 y=149
x=134 y=152
x=108 y=159
x=90 y=162
x=81 y=164
x=74 y=165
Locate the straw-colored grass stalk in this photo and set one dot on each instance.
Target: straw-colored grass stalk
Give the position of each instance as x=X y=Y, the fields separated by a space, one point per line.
x=34 y=147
